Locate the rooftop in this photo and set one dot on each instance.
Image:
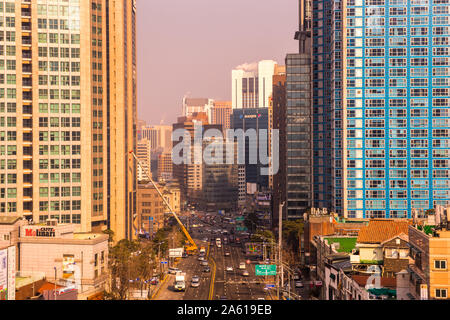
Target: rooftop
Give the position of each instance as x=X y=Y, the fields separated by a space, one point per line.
x=380 y=230
x=345 y=244
x=9 y=219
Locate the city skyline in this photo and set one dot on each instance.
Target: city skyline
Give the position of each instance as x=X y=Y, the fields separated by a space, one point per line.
x=187 y=48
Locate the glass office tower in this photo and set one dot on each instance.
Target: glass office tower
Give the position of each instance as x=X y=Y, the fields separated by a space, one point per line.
x=383 y=68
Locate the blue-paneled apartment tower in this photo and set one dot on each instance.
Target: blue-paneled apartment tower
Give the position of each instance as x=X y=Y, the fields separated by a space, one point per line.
x=381 y=106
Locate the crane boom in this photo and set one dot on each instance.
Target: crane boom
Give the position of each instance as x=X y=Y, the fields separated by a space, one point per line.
x=186 y=233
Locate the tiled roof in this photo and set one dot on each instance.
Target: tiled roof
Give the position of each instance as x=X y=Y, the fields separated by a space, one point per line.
x=379 y=230
x=386 y=282
x=48 y=286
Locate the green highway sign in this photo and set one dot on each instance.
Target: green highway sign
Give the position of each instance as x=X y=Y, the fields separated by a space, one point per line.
x=241 y=229
x=266 y=270
x=239 y=218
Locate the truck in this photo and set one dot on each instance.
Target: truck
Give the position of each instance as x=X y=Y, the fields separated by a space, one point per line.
x=180 y=282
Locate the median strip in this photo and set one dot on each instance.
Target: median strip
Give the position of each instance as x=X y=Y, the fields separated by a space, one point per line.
x=213 y=276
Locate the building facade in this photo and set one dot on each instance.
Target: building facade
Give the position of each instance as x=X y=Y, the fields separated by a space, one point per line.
x=151 y=208
x=69 y=100
x=252 y=84
x=143 y=154
x=221 y=114
x=255 y=119
x=381 y=72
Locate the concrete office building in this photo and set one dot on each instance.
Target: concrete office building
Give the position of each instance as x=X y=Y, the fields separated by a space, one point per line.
x=190 y=175
x=160 y=137
x=68 y=105
x=381 y=73
x=197 y=105
x=257 y=119
x=143 y=154
x=221 y=114
x=252 y=84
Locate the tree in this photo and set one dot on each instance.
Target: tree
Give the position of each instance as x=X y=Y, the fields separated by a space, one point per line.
x=291 y=234
x=251 y=221
x=119 y=266
x=110 y=234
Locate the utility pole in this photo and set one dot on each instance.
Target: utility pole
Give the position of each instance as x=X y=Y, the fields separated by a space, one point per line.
x=280 y=258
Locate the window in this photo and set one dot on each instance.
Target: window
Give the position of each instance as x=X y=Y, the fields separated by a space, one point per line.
x=440 y=264
x=441 y=293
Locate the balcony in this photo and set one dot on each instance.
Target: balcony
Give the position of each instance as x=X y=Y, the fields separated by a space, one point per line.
x=27 y=110
x=26 y=26
x=27 y=151
x=26 y=68
x=26 y=54
x=26 y=40
x=27 y=95
x=26 y=12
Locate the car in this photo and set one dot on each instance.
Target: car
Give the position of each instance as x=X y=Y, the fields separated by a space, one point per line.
x=223 y=298
x=195 y=284
x=245 y=273
x=207 y=269
x=154 y=281
x=296 y=277
x=230 y=269
x=205 y=239
x=201 y=258
x=242 y=266
x=185 y=255
x=195 y=278
x=260 y=299
x=219 y=246
x=298 y=284
x=204 y=263
x=173 y=270
x=226 y=254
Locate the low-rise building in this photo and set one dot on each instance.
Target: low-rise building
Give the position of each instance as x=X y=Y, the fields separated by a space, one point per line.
x=151 y=208
x=428 y=277
x=59 y=253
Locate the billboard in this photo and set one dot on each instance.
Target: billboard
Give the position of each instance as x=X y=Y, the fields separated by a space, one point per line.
x=176 y=253
x=3 y=273
x=12 y=273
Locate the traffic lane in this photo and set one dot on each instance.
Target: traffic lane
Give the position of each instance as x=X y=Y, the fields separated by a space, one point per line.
x=200 y=292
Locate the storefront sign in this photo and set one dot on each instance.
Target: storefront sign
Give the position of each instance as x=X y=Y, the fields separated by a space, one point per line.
x=42 y=232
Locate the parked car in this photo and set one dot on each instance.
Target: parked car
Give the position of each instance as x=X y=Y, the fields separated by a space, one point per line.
x=298 y=284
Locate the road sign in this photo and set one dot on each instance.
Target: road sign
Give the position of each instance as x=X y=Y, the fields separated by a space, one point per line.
x=239 y=218
x=270 y=286
x=266 y=270
x=163 y=262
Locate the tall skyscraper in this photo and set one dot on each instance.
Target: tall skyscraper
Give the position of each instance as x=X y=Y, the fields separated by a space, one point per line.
x=252 y=119
x=221 y=114
x=381 y=72
x=68 y=99
x=252 y=84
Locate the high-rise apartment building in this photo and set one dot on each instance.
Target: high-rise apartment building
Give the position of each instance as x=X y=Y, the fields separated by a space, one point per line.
x=68 y=104
x=381 y=72
x=252 y=84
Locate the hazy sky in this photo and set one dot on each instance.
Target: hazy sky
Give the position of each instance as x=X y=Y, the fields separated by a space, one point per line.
x=192 y=46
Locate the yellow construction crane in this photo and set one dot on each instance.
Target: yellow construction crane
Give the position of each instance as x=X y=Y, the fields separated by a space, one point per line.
x=190 y=247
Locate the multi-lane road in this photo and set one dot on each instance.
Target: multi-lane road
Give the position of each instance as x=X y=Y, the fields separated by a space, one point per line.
x=218 y=283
